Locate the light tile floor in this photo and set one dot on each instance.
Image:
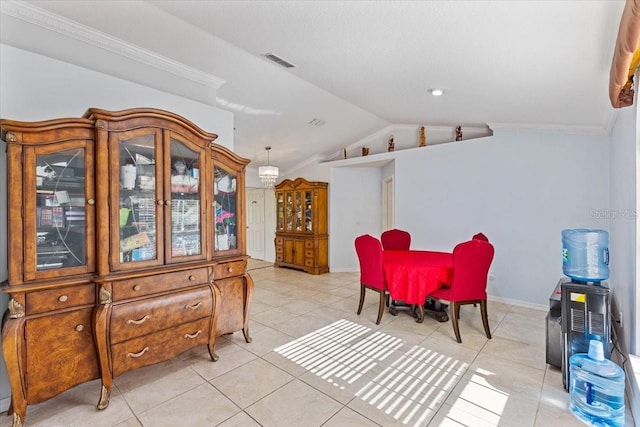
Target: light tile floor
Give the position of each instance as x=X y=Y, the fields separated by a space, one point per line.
x=314 y=362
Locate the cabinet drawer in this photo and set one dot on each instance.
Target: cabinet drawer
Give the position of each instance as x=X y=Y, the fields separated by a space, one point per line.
x=158 y=347
x=309 y=244
x=279 y=240
x=131 y=288
x=57 y=299
x=229 y=269
x=279 y=249
x=155 y=314
x=309 y=262
x=279 y=257
x=308 y=253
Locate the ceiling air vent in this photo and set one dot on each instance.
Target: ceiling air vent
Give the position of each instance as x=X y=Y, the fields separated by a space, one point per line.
x=275 y=58
x=317 y=122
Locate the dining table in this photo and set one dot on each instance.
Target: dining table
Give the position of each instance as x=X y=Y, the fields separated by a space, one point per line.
x=412 y=275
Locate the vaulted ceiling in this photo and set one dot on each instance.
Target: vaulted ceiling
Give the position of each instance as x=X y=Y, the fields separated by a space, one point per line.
x=361 y=66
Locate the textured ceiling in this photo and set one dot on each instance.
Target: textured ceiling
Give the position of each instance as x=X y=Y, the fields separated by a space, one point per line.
x=363 y=66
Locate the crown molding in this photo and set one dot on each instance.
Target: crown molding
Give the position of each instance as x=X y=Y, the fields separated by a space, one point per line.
x=66 y=27
x=542 y=128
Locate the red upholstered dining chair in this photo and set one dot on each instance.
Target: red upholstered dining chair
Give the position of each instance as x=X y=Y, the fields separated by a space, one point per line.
x=395 y=239
x=480 y=236
x=471 y=262
x=369 y=252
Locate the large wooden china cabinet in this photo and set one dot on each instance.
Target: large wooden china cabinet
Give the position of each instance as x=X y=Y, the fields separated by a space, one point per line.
x=126 y=248
x=301 y=239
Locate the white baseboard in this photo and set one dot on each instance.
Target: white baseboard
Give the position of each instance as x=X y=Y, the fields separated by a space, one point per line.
x=344 y=270
x=519 y=303
x=632 y=372
x=4 y=404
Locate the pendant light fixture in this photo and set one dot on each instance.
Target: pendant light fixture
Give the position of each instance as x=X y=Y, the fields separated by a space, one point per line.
x=268 y=174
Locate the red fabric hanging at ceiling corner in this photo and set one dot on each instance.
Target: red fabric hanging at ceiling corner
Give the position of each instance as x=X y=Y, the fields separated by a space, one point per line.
x=625 y=56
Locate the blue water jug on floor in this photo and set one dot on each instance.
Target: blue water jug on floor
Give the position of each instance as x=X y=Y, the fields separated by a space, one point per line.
x=585 y=254
x=596 y=390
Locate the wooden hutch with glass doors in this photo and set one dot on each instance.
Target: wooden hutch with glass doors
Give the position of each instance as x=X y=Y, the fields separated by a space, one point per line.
x=301 y=238
x=126 y=248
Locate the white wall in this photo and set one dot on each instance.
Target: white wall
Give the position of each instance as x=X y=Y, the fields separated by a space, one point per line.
x=35 y=87
x=520 y=189
x=624 y=241
x=355 y=208
x=623 y=216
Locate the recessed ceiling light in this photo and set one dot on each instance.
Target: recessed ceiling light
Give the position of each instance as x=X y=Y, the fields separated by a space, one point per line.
x=436 y=92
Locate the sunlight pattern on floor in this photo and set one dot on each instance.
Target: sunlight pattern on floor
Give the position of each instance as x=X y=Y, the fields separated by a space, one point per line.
x=414 y=386
x=411 y=389
x=479 y=400
x=340 y=351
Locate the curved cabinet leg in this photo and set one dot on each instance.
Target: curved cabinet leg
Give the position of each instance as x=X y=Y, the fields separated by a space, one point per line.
x=13 y=353
x=214 y=321
x=105 y=396
x=248 y=293
x=101 y=316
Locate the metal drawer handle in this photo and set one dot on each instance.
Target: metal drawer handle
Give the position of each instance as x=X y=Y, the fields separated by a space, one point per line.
x=192 y=336
x=136 y=287
x=135 y=355
x=194 y=306
x=91 y=202
x=139 y=321
x=192 y=278
x=80 y=328
x=63 y=298
x=229 y=269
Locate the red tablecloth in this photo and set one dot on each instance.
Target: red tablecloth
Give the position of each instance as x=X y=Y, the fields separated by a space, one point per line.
x=412 y=275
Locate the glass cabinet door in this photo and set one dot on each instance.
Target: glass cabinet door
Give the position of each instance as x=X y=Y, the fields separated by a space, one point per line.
x=185 y=201
x=226 y=212
x=307 y=211
x=59 y=206
x=289 y=211
x=136 y=188
x=280 y=207
x=298 y=210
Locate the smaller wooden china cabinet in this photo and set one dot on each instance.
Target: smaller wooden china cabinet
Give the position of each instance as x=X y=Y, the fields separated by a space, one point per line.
x=126 y=248
x=301 y=239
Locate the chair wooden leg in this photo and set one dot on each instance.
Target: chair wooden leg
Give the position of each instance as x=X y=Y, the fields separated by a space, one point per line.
x=455 y=315
x=485 y=318
x=361 y=298
x=381 y=307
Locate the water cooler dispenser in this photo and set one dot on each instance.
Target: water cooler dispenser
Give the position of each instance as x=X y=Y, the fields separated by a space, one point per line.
x=586 y=314
x=580 y=306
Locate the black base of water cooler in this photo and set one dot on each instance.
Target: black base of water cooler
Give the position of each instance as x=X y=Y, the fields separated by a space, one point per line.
x=585 y=315
x=554 y=329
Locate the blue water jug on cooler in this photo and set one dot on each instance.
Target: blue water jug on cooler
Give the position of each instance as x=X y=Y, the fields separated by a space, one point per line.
x=596 y=391
x=585 y=254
